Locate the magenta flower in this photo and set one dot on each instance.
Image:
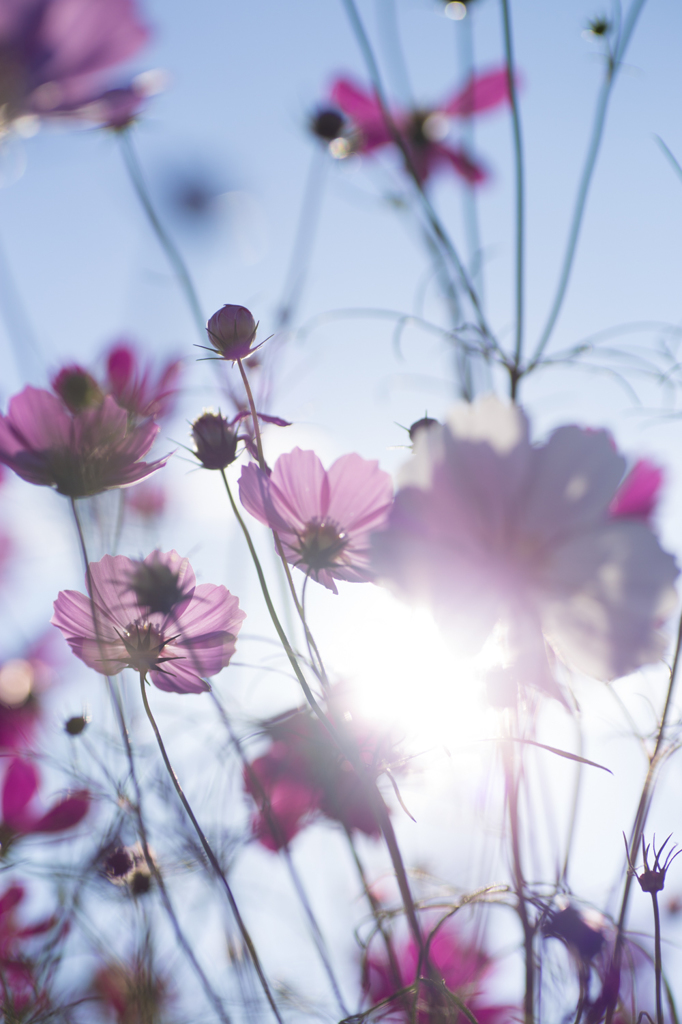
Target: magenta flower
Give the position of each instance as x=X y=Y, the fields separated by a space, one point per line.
x=142 y=391
x=637 y=496
x=423 y=130
x=79 y=454
x=488 y=528
x=323 y=517
x=20 y=815
x=465 y=969
x=20 y=989
x=303 y=776
x=56 y=51
x=150 y=616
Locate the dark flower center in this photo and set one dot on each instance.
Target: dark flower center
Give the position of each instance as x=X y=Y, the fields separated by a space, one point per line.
x=321 y=545
x=144 y=646
x=156 y=587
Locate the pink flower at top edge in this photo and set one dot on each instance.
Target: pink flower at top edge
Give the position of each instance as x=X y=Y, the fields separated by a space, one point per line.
x=57 y=51
x=490 y=529
x=324 y=518
x=79 y=454
x=465 y=969
x=151 y=617
x=302 y=775
x=423 y=130
x=22 y=818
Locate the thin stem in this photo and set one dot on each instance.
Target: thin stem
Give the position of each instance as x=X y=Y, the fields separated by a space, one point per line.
x=643 y=810
x=275 y=828
x=137 y=808
x=429 y=212
x=612 y=67
x=254 y=415
x=657 y=958
x=305 y=237
x=371 y=789
x=512 y=790
x=213 y=860
x=520 y=198
x=167 y=244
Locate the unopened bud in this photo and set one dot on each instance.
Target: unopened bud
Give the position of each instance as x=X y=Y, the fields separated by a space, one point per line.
x=76 y=725
x=328 y=124
x=215 y=441
x=157 y=586
x=425 y=423
x=77 y=389
x=232 y=331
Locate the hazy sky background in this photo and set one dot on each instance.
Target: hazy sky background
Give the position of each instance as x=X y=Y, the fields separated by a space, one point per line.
x=242 y=81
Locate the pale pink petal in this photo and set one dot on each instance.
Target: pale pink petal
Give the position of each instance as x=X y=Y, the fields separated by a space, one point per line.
x=574 y=478
x=39 y=419
x=299 y=488
x=177 y=677
x=607 y=592
x=482 y=93
x=212 y=608
x=638 y=494
x=110 y=579
x=361 y=493
x=254 y=494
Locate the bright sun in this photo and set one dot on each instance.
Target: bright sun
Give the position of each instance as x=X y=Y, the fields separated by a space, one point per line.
x=403 y=670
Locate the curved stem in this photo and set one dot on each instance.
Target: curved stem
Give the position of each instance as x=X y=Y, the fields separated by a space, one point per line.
x=371 y=789
x=254 y=416
x=169 y=247
x=612 y=68
x=115 y=698
x=275 y=829
x=643 y=811
x=430 y=214
x=213 y=860
x=520 y=198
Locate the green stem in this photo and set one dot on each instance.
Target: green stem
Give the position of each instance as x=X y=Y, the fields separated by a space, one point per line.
x=254 y=416
x=171 y=250
x=213 y=860
x=613 y=63
x=519 y=882
x=137 y=806
x=520 y=198
x=372 y=791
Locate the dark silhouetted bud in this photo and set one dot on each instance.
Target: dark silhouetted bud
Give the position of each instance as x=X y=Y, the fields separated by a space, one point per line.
x=328 y=124
x=215 y=441
x=425 y=423
x=576 y=931
x=599 y=26
x=157 y=585
x=77 y=389
x=75 y=726
x=118 y=863
x=232 y=331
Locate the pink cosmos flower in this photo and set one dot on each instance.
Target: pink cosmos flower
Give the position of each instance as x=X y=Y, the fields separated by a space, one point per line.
x=303 y=776
x=152 y=617
x=323 y=517
x=20 y=815
x=79 y=454
x=465 y=970
x=424 y=130
x=488 y=528
x=637 y=496
x=56 y=51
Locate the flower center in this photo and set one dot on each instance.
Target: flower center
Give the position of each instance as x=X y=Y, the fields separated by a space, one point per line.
x=144 y=645
x=321 y=544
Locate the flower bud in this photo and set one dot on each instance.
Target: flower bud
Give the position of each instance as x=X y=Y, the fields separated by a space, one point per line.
x=74 y=726
x=232 y=331
x=77 y=389
x=328 y=124
x=425 y=423
x=215 y=440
